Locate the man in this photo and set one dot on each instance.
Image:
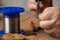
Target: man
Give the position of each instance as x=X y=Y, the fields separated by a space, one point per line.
x=49 y=17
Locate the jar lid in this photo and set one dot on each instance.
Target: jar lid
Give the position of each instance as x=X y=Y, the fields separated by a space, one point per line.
x=20 y=32
x=11 y=11
x=2 y=32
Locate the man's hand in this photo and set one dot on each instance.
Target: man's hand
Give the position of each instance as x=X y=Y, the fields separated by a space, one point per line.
x=32 y=6
x=50 y=20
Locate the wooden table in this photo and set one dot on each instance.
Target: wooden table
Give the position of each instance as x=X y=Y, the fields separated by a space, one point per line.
x=41 y=35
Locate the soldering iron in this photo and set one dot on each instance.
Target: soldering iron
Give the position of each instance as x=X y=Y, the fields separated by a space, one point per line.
x=38 y=6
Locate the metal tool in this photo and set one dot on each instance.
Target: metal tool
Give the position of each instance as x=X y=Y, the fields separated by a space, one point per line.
x=38 y=6
x=36 y=29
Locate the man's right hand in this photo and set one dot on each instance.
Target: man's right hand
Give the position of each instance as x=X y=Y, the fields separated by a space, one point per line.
x=32 y=6
x=50 y=20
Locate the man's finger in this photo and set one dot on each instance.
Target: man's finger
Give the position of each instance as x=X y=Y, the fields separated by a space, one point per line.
x=47 y=24
x=46 y=14
x=32 y=7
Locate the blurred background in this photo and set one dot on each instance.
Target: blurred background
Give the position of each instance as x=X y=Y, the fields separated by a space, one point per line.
x=22 y=3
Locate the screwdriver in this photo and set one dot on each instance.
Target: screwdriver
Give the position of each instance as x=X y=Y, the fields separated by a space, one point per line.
x=38 y=7
x=36 y=29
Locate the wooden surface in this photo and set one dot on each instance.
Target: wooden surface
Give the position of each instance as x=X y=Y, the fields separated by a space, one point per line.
x=1 y=21
x=41 y=35
x=25 y=19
